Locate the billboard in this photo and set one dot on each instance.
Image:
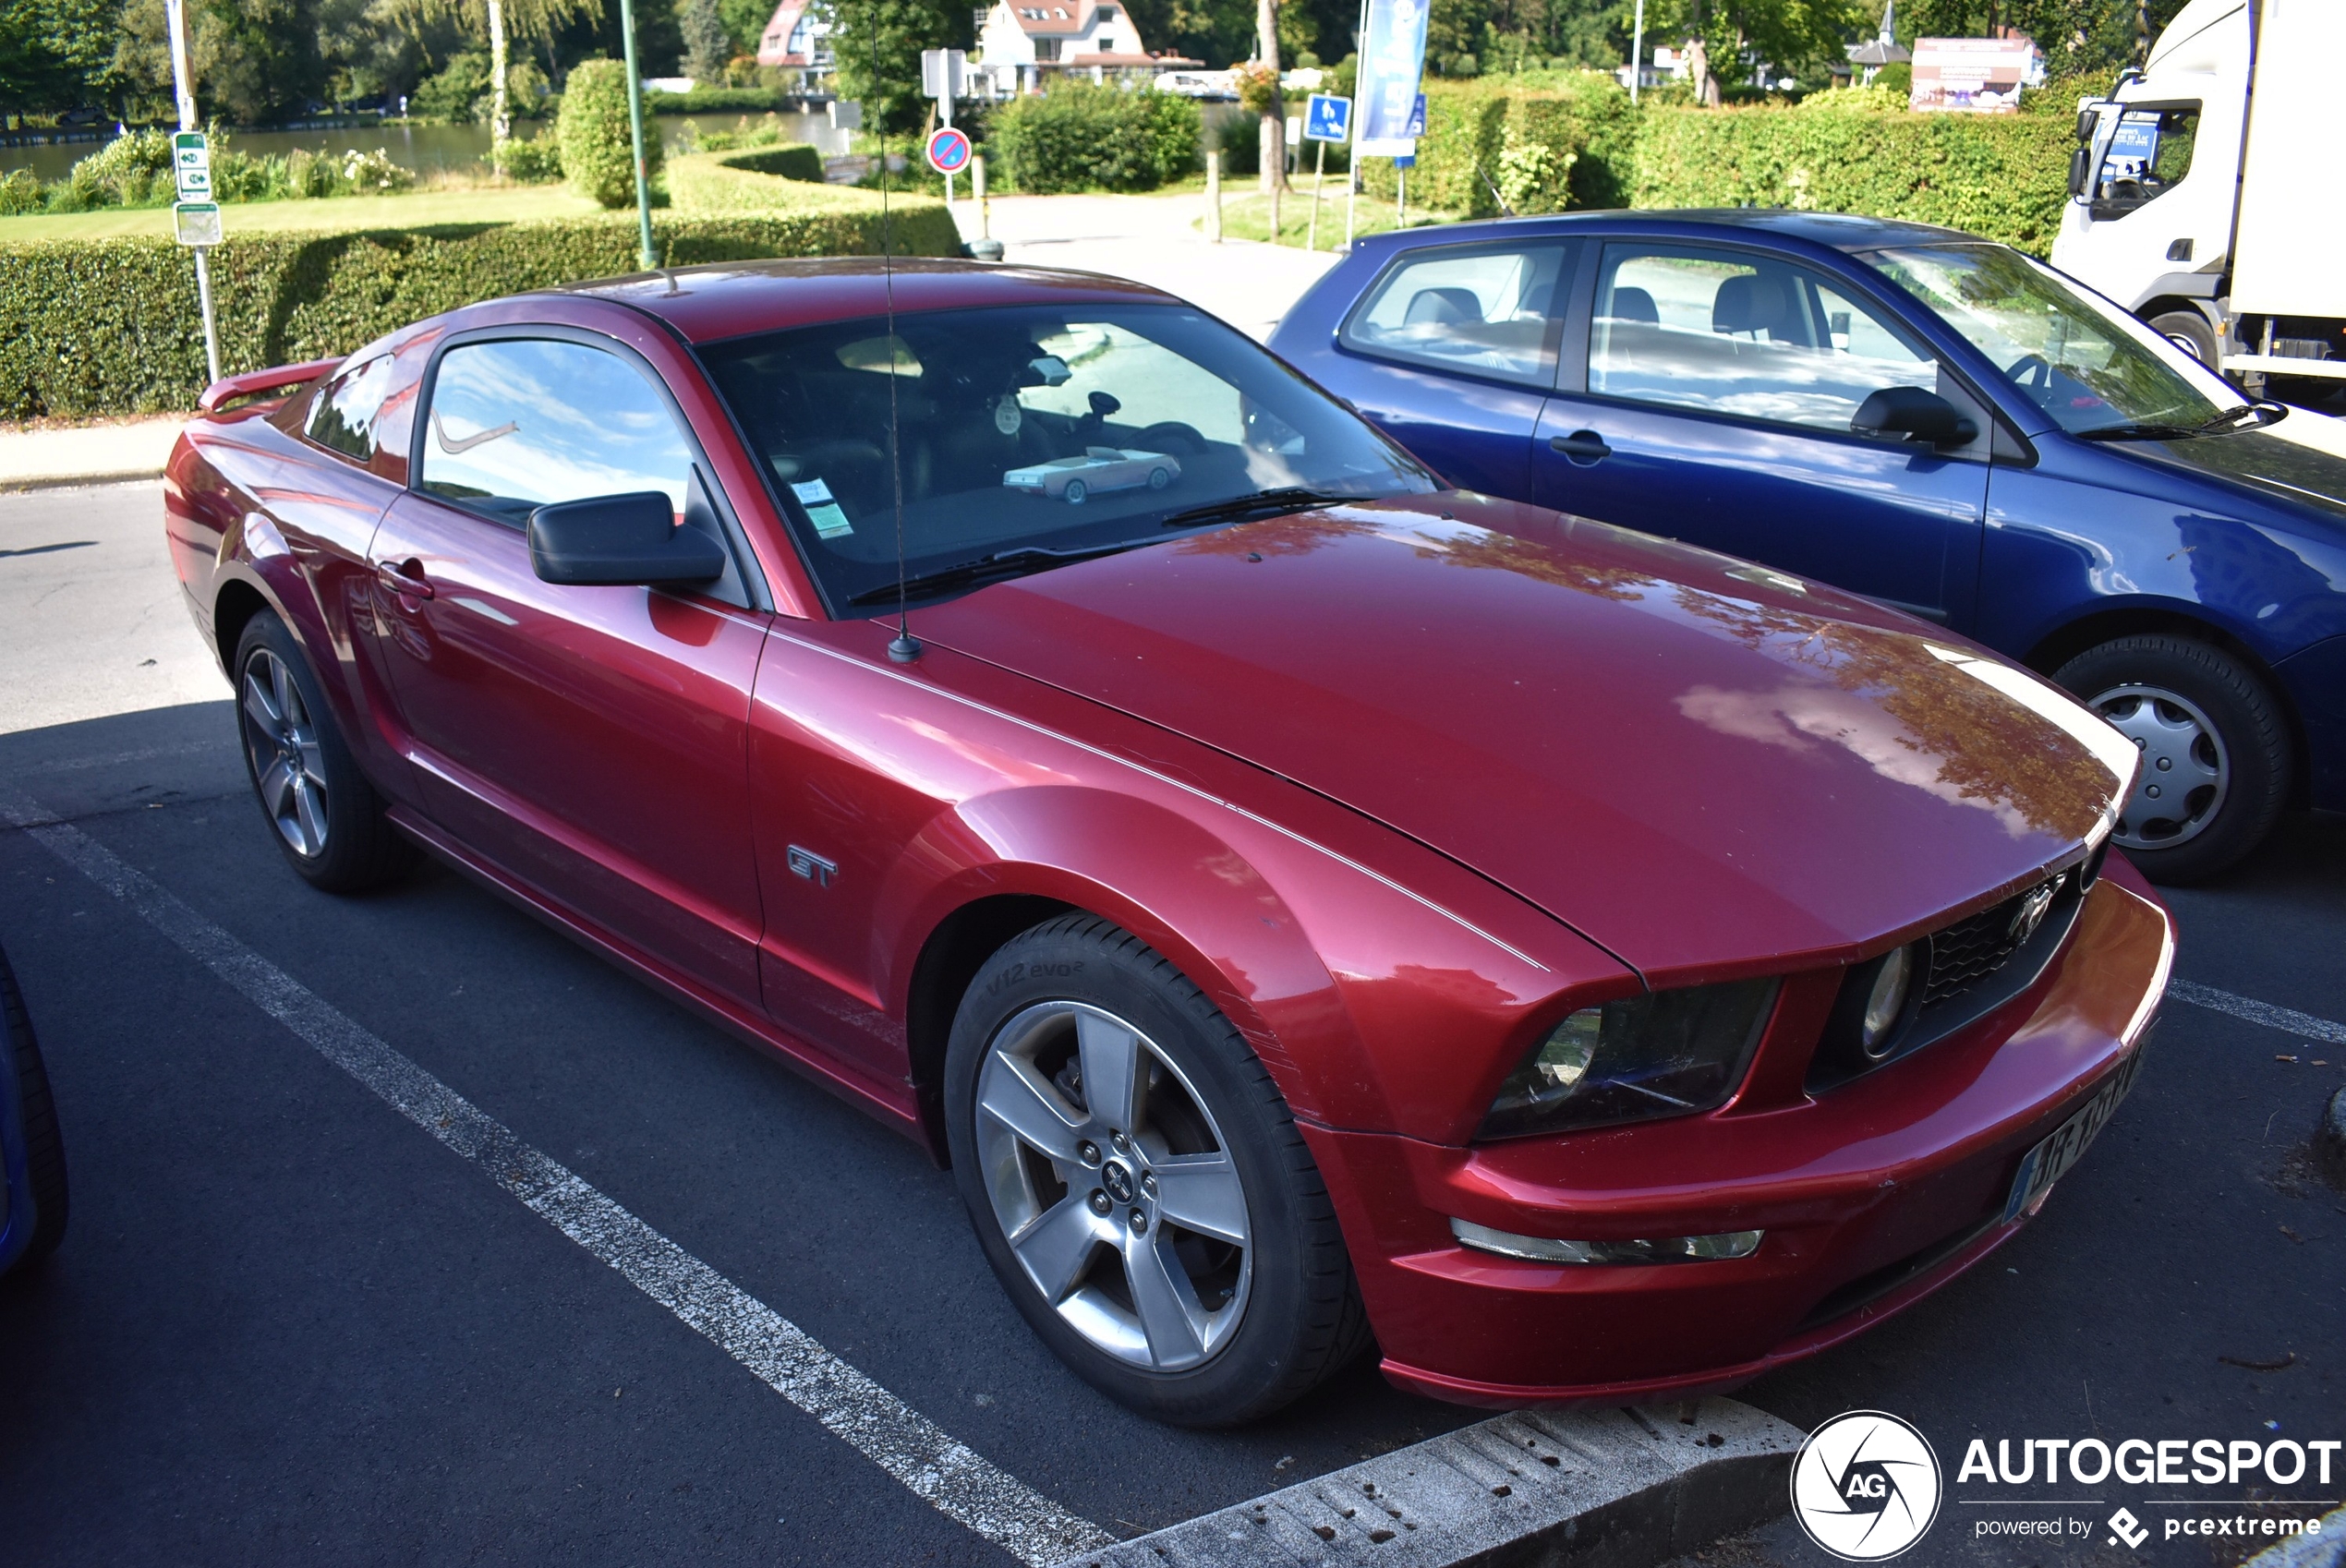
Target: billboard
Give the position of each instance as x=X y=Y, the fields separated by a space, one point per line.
x=1973 y=76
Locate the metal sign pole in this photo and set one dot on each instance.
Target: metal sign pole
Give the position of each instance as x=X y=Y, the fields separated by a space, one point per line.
x=647 y=255
x=185 y=89
x=1637 y=51
x=1319 y=184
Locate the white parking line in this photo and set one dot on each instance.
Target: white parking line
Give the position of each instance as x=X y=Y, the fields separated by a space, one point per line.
x=898 y=1438
x=2287 y=1019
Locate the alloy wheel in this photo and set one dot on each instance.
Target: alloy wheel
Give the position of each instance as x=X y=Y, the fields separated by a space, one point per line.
x=2185 y=772
x=1113 y=1186
x=281 y=741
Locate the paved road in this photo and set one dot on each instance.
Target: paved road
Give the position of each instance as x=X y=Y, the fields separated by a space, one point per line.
x=289 y=1324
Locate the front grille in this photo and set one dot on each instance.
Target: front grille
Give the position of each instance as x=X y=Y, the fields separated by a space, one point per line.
x=1970 y=950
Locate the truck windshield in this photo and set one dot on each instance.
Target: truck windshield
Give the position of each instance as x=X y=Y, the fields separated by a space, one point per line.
x=1024 y=436
x=2084 y=362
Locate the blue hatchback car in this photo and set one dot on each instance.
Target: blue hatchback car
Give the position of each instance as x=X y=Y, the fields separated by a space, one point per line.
x=1932 y=420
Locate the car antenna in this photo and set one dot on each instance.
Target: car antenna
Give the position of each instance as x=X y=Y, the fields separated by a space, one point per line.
x=1494 y=192
x=903 y=648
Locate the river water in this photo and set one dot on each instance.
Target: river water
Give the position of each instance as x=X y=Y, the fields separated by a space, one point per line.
x=421 y=148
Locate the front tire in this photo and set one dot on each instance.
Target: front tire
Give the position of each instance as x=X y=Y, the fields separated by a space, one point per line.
x=1138 y=1184
x=323 y=814
x=2215 y=748
x=2188 y=330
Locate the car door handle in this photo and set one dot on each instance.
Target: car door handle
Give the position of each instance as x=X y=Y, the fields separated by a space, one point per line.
x=405 y=577
x=1581 y=446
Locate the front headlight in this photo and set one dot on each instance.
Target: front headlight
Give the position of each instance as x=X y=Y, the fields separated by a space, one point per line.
x=1664 y=1054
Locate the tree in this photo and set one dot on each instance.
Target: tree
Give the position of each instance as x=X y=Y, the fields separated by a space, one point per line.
x=2076 y=36
x=707 y=45
x=877 y=44
x=1272 y=134
x=495 y=18
x=55 y=54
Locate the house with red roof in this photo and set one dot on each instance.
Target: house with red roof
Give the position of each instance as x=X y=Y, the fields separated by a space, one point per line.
x=1020 y=41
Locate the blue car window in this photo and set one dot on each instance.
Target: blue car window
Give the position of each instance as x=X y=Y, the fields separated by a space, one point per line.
x=1731 y=333
x=1484 y=309
x=519 y=423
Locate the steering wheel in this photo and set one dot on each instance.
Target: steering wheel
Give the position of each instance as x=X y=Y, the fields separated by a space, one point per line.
x=1172 y=438
x=2031 y=371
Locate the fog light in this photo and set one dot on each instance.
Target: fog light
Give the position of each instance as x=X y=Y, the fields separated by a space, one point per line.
x=1665 y=1250
x=1885 y=1002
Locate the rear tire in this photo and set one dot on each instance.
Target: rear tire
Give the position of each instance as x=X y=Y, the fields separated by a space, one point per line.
x=1205 y=1141
x=44 y=1149
x=2215 y=745
x=324 y=815
x=2188 y=330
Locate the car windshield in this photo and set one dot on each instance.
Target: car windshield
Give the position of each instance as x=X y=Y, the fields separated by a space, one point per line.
x=1033 y=432
x=2086 y=364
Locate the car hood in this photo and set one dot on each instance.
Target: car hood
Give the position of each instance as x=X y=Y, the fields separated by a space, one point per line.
x=2301 y=459
x=1696 y=763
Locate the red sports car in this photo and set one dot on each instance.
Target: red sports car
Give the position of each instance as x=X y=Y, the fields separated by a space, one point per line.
x=1302 y=904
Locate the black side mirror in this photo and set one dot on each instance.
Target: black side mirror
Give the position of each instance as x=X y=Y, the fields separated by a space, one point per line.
x=1911 y=414
x=623 y=540
x=2081 y=172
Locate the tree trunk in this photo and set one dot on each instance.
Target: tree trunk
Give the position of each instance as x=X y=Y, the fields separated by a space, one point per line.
x=1271 y=142
x=500 y=123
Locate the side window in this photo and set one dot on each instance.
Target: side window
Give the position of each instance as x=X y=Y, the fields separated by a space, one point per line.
x=342 y=418
x=2150 y=155
x=1730 y=333
x=517 y=424
x=1484 y=309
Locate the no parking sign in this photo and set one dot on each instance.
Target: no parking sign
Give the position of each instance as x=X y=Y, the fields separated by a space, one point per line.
x=948 y=151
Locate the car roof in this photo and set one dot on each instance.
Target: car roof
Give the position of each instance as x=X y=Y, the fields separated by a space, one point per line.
x=725 y=299
x=1837 y=230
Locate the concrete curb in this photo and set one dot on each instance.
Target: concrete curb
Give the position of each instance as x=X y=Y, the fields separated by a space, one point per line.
x=1592 y=1488
x=2329 y=1141
x=78 y=481
x=2325 y=1550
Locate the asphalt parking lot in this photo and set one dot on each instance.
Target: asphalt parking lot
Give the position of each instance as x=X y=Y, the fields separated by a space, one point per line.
x=288 y=1322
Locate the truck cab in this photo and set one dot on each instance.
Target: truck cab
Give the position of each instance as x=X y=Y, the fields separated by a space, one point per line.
x=2199 y=191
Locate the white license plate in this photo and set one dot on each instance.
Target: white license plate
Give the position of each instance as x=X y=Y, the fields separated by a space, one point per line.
x=2050 y=1159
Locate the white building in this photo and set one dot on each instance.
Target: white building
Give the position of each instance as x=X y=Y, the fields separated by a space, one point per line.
x=1020 y=41
x=797 y=38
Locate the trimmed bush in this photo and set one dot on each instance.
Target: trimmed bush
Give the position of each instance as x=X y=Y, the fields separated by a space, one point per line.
x=598 y=146
x=728 y=184
x=2001 y=177
x=1086 y=136
x=795 y=161
x=531 y=160
x=715 y=101
x=1547 y=141
x=108 y=326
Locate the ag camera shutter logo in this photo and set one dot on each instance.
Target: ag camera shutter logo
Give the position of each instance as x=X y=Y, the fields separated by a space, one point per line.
x=1865 y=1486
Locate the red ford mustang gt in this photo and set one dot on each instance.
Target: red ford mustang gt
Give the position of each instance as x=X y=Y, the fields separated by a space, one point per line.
x=1302 y=901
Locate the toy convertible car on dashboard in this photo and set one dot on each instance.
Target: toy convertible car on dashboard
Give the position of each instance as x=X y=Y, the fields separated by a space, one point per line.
x=1100 y=468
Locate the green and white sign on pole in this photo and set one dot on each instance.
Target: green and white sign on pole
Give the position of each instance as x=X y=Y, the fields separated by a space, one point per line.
x=195 y=218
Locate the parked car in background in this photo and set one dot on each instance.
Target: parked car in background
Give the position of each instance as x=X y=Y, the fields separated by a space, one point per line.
x=1939 y=423
x=1302 y=901
x=32 y=1156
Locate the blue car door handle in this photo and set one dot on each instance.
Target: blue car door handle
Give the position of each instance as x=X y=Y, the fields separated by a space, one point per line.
x=1582 y=447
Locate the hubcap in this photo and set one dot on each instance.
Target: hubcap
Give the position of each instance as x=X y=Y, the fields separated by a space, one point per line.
x=1145 y=1253
x=2184 y=772
x=281 y=743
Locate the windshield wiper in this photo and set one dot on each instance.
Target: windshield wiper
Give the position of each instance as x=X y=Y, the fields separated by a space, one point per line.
x=2265 y=413
x=1001 y=564
x=1261 y=503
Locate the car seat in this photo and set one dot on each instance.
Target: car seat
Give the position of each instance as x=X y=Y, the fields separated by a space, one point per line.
x=1441 y=308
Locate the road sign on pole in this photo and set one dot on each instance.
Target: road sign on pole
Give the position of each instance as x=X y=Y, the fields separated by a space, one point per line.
x=1327 y=118
x=944 y=75
x=196 y=222
x=948 y=151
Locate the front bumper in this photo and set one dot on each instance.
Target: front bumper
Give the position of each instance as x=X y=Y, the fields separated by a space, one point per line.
x=1872 y=1196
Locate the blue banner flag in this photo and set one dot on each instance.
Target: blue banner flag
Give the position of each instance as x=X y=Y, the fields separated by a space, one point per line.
x=1392 y=59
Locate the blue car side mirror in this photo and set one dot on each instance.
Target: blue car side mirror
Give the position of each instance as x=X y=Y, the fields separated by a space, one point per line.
x=622 y=539
x=1911 y=414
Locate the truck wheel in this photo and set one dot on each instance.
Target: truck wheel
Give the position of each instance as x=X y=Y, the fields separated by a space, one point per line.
x=2214 y=749
x=2188 y=330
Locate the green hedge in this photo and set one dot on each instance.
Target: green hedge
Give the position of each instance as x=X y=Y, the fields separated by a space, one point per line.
x=1547 y=141
x=596 y=135
x=796 y=160
x=734 y=184
x=109 y=326
x=2001 y=177
x=1086 y=136
x=716 y=101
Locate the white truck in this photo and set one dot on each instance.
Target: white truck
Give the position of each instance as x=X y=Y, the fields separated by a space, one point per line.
x=2202 y=194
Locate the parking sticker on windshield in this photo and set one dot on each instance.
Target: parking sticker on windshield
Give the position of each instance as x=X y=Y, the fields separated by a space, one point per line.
x=1009 y=416
x=821 y=510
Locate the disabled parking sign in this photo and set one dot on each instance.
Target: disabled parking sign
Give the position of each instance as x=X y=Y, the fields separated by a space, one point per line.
x=1327 y=118
x=948 y=151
